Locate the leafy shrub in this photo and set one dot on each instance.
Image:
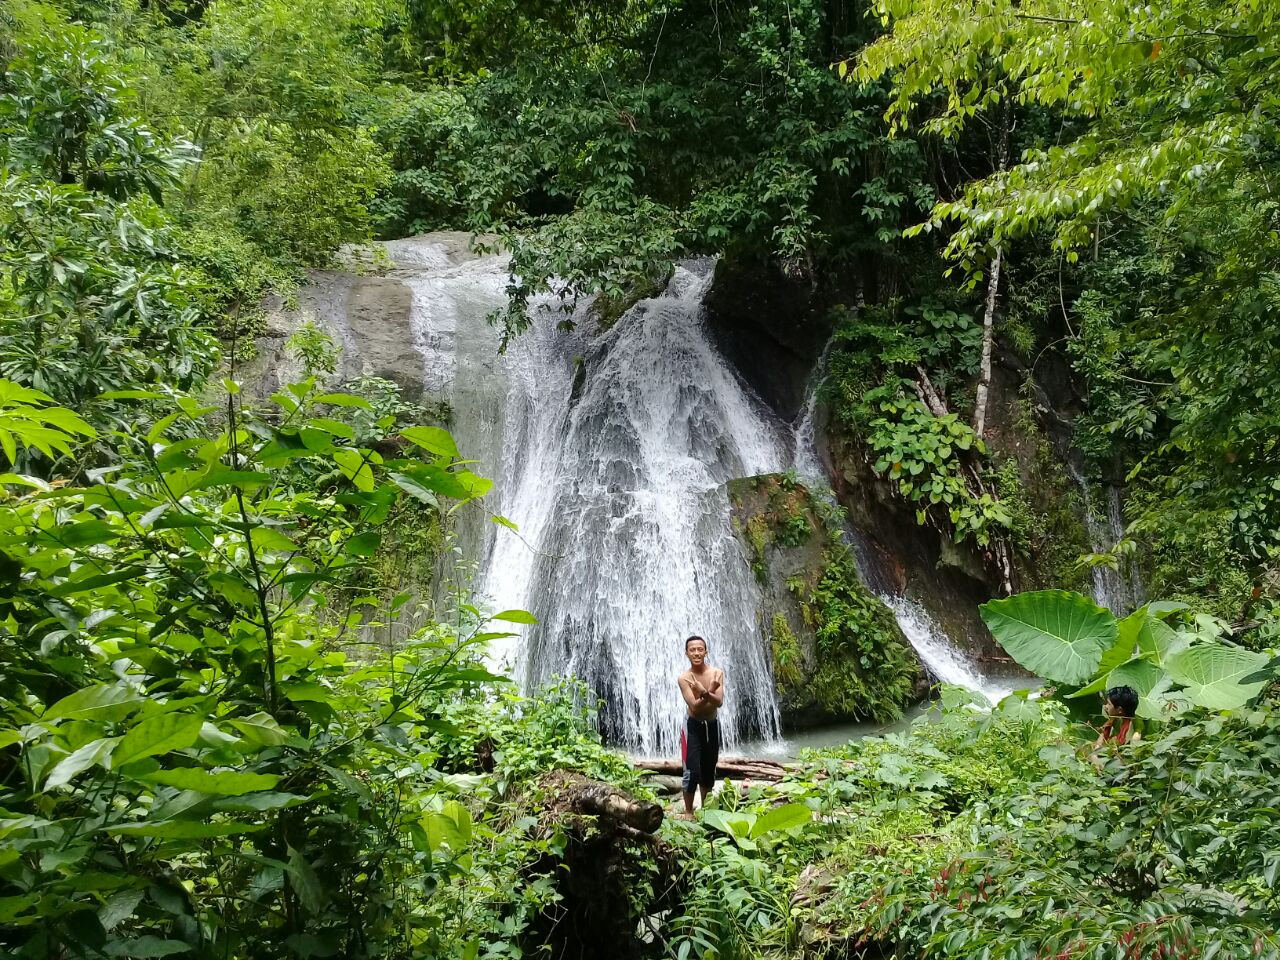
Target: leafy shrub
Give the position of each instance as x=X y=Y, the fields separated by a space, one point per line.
x=1066 y=638
x=186 y=757
x=864 y=666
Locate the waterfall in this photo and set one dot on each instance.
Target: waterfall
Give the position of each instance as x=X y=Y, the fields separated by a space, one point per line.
x=1118 y=588
x=637 y=552
x=610 y=450
x=944 y=661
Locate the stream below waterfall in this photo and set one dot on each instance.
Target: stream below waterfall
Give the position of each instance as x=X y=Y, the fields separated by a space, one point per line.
x=611 y=449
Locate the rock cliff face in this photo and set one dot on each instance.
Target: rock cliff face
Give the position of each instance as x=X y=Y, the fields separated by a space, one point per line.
x=367 y=308
x=771 y=328
x=369 y=319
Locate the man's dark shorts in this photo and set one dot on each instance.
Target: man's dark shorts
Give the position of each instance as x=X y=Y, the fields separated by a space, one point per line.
x=700 y=744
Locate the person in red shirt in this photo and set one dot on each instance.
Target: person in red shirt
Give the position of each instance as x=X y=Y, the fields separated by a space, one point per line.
x=1120 y=705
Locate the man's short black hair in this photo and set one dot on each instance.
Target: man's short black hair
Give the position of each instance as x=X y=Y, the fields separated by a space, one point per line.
x=691 y=639
x=1124 y=699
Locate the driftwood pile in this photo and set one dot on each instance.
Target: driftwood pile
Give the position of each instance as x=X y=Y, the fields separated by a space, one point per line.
x=734 y=768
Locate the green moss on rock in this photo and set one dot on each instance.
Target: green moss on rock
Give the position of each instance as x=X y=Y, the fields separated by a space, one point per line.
x=865 y=668
x=788 y=658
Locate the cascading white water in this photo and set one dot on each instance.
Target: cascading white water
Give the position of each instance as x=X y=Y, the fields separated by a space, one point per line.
x=1119 y=587
x=611 y=453
x=944 y=661
x=806 y=459
x=637 y=552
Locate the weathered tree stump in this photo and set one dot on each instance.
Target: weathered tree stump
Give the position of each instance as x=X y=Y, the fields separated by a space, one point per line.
x=611 y=871
x=593 y=798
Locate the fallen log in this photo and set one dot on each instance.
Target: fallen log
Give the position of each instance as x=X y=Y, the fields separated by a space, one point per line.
x=573 y=793
x=736 y=768
x=600 y=799
x=608 y=859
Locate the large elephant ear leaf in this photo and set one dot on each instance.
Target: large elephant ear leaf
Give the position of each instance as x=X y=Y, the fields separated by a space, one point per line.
x=1056 y=634
x=1215 y=675
x=1142 y=675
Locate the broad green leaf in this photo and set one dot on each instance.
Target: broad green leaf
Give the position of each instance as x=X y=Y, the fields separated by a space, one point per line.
x=1127 y=631
x=1158 y=642
x=104 y=702
x=1269 y=671
x=148 y=946
x=433 y=440
x=133 y=395
x=21 y=480
x=224 y=783
x=307 y=690
x=259 y=802
x=344 y=400
x=182 y=829
x=79 y=761
x=81 y=584
x=736 y=825
x=306 y=882
x=472 y=485
x=364 y=545
x=450 y=825
x=782 y=818
x=1143 y=675
x=220 y=476
x=261 y=728
x=268 y=538
x=119 y=907
x=1056 y=634
x=416 y=489
x=354 y=467
x=1213 y=675
x=13 y=907
x=85 y=533
x=335 y=427
x=1162 y=608
x=515 y=616
x=157 y=735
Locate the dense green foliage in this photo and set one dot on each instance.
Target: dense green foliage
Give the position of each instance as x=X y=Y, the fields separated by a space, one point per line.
x=1150 y=148
x=934 y=460
x=92 y=296
x=208 y=750
x=683 y=128
x=1165 y=854
x=864 y=668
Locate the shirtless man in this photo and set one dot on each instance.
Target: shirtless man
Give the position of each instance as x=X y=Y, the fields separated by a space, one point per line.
x=702 y=687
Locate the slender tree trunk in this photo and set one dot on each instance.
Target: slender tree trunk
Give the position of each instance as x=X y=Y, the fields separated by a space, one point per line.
x=993 y=291
x=988 y=337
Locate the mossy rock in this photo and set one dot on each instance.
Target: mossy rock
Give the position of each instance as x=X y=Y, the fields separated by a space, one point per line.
x=836 y=649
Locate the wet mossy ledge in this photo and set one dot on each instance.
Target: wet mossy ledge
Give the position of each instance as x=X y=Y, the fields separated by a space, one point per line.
x=837 y=651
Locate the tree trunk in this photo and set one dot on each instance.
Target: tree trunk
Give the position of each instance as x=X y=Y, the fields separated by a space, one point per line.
x=929 y=395
x=993 y=292
x=988 y=337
